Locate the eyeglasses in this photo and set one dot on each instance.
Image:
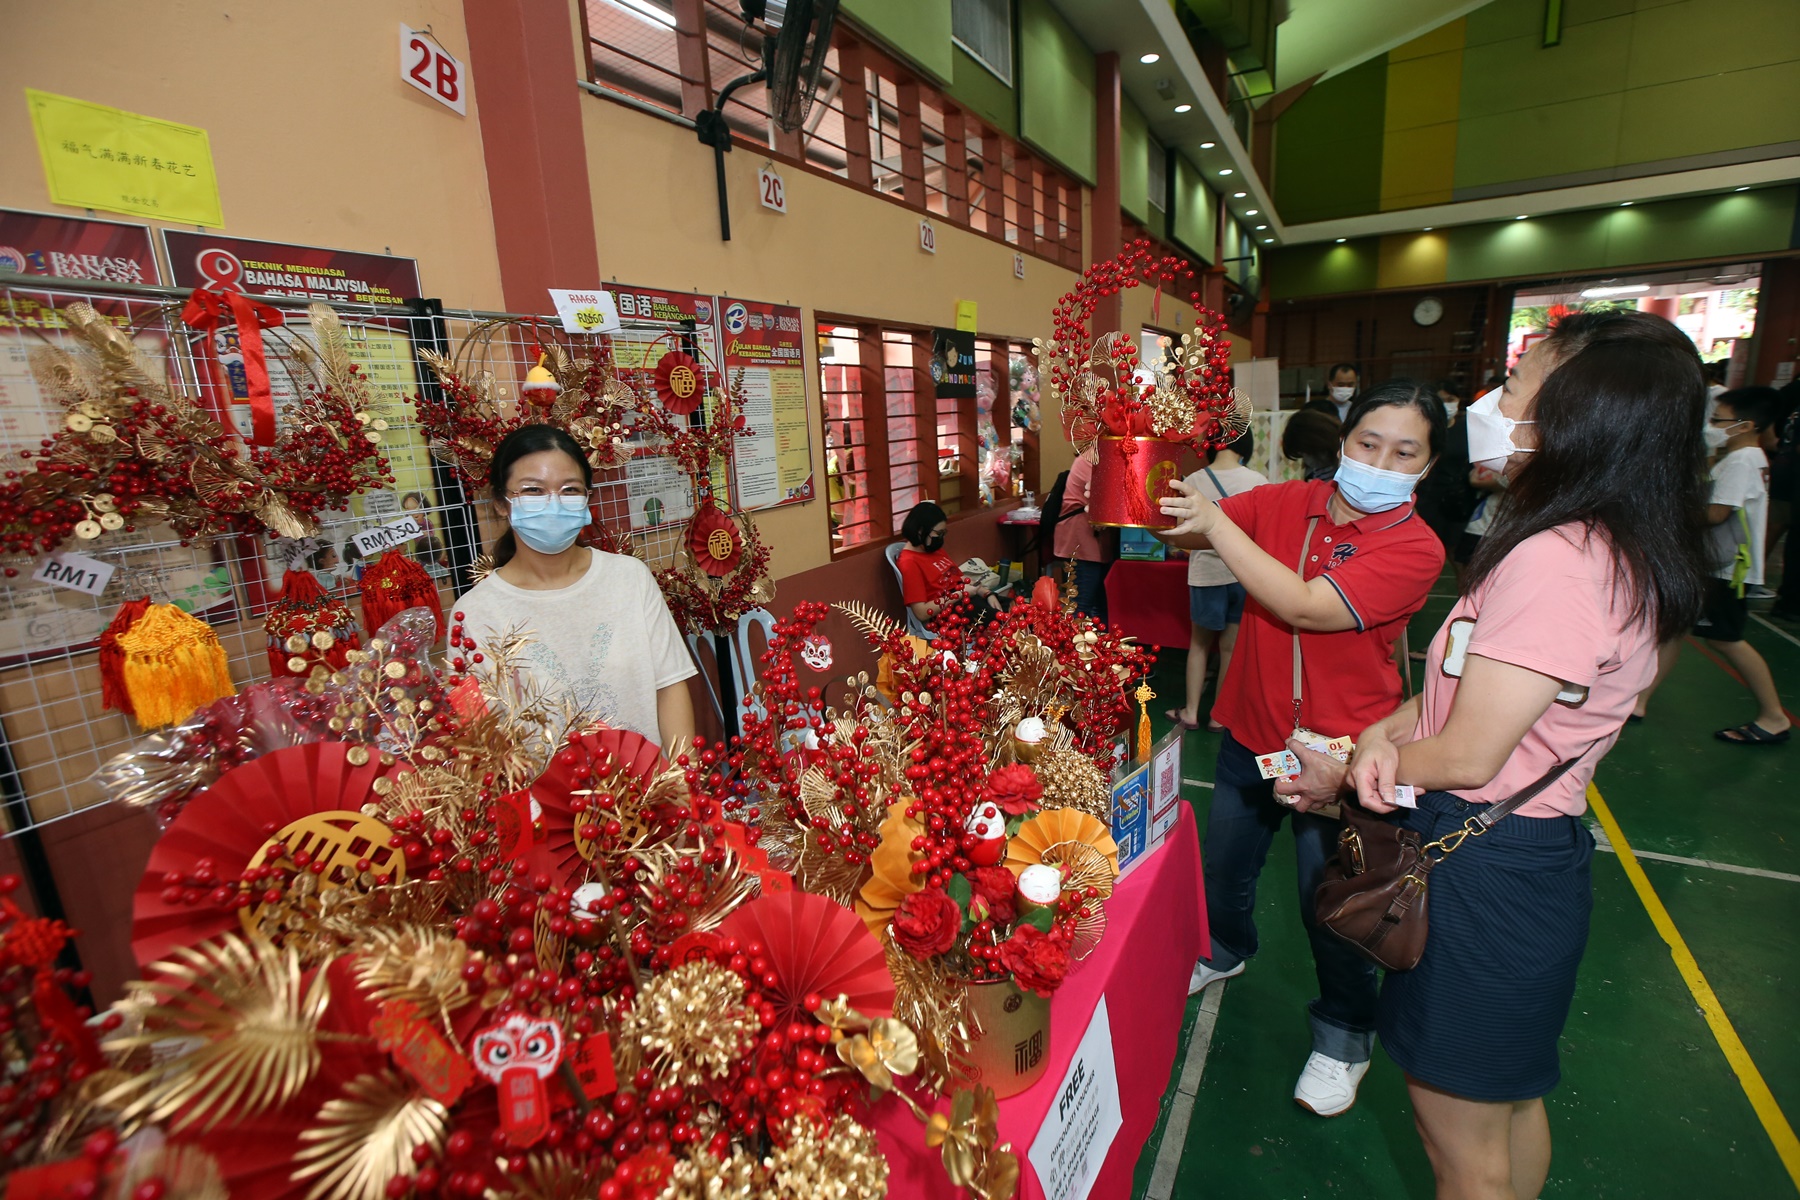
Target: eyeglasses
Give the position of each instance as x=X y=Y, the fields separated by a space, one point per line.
x=534 y=499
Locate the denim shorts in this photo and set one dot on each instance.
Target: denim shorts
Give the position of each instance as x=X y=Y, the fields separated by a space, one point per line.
x=1217 y=606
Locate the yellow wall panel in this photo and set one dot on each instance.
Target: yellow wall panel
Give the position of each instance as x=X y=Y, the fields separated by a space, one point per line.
x=1424 y=95
x=1418 y=166
x=1412 y=260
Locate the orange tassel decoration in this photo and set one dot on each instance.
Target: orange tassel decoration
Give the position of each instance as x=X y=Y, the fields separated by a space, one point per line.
x=304 y=610
x=393 y=584
x=112 y=659
x=1143 y=696
x=171 y=665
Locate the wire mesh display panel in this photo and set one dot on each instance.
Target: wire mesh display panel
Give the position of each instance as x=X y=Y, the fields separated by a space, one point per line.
x=54 y=734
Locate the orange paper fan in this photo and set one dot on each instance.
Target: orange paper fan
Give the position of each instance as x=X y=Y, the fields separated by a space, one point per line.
x=238 y=816
x=598 y=754
x=1053 y=827
x=815 y=947
x=891 y=879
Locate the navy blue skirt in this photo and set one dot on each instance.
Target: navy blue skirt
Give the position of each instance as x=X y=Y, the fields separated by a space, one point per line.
x=1481 y=1015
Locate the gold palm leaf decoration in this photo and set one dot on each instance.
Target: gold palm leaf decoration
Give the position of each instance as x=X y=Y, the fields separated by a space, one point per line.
x=255 y=1021
x=548 y=1175
x=875 y=625
x=366 y=1136
x=418 y=965
x=186 y=1173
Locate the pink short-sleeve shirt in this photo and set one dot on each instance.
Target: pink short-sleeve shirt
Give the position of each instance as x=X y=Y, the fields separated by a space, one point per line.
x=1551 y=607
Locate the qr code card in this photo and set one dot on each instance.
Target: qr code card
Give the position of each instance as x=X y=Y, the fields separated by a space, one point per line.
x=1280 y=765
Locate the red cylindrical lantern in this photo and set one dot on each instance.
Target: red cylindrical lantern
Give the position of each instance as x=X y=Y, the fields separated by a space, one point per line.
x=1131 y=480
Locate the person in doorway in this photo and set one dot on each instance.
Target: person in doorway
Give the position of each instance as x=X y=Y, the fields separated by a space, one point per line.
x=1333 y=572
x=1215 y=597
x=1447 y=498
x=1311 y=438
x=1079 y=543
x=929 y=578
x=1738 y=515
x=599 y=635
x=1596 y=560
x=1341 y=387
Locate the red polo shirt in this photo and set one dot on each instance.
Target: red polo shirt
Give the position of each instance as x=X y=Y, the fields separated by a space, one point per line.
x=1382 y=565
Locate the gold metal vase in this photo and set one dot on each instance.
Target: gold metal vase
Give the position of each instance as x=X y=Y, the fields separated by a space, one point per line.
x=1011 y=1051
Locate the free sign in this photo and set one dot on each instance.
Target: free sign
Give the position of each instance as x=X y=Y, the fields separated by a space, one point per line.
x=433 y=69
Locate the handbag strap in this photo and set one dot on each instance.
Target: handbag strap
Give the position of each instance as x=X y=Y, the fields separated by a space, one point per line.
x=1217 y=486
x=1491 y=814
x=1300 y=568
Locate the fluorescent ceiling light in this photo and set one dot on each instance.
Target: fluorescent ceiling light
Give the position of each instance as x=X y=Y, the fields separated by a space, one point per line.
x=1427 y=229
x=1341 y=241
x=1149 y=58
x=1268 y=241
x=1239 y=195
x=1224 y=170
x=1626 y=203
x=1251 y=212
x=1745 y=188
x=1260 y=228
x=1522 y=217
x=1597 y=293
x=1207 y=145
x=1180 y=108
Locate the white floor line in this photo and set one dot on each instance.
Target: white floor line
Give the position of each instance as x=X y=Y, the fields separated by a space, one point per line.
x=1205 y=783
x=1181 y=1110
x=1601 y=843
x=1773 y=628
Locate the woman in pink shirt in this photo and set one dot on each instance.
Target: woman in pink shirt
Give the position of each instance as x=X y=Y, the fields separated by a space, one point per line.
x=1596 y=559
x=1077 y=541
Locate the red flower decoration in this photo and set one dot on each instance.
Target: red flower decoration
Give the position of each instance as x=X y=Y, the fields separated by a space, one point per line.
x=1038 y=961
x=1015 y=788
x=926 y=923
x=999 y=887
x=680 y=383
x=715 y=542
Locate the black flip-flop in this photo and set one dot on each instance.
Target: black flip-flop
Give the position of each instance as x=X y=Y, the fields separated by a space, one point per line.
x=1752 y=734
x=1634 y=719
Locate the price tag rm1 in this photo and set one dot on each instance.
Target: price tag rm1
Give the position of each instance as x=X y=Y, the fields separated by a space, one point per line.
x=373 y=541
x=77 y=572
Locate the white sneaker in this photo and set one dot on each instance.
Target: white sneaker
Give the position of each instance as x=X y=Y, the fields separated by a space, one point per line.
x=1327 y=1087
x=1204 y=975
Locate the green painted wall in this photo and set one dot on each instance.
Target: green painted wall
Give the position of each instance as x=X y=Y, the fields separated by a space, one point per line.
x=982 y=93
x=918 y=30
x=1134 y=161
x=1196 y=213
x=1735 y=225
x=1328 y=147
x=1056 y=88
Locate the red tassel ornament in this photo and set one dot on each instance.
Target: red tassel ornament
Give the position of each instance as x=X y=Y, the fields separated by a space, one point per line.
x=304 y=610
x=112 y=659
x=395 y=583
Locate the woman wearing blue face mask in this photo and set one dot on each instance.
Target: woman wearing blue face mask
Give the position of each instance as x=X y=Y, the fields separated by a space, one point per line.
x=600 y=635
x=1333 y=570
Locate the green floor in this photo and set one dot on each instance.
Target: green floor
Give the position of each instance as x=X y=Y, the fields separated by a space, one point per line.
x=1648 y=1106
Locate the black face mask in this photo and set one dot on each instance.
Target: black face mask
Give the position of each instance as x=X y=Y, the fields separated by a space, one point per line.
x=934 y=541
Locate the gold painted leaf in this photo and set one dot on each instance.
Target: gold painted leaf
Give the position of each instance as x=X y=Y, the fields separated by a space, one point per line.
x=366 y=1136
x=272 y=510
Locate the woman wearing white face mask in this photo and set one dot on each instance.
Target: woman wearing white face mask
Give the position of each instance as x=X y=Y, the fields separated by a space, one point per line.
x=1332 y=570
x=600 y=634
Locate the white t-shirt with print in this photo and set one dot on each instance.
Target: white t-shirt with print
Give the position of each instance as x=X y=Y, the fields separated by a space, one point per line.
x=607 y=640
x=1741 y=480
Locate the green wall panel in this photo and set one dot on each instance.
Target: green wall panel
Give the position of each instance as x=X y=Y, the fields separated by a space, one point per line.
x=1056 y=88
x=982 y=93
x=1710 y=37
x=919 y=30
x=1323 y=269
x=1531 y=143
x=1699 y=116
x=1328 y=147
x=1196 y=213
x=1134 y=161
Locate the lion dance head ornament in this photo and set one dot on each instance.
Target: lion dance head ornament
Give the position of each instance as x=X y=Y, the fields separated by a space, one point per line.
x=1140 y=416
x=517 y=1056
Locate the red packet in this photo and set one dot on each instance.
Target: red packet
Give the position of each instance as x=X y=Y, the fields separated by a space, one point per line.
x=466 y=698
x=524 y=1107
x=756 y=860
x=593 y=1066
x=422 y=1052
x=518 y=1055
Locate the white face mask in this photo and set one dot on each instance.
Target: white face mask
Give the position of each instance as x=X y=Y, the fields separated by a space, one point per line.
x=1716 y=437
x=1490 y=433
x=1341 y=395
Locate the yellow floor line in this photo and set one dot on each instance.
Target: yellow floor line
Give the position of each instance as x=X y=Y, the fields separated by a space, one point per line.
x=1774 y=1122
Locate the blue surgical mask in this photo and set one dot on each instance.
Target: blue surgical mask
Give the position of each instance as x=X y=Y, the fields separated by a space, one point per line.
x=549 y=524
x=1371 y=489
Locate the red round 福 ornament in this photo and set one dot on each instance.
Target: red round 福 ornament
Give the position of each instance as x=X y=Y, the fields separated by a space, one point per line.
x=680 y=383
x=714 y=541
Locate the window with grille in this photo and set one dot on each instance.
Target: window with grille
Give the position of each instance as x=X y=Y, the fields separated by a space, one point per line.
x=984 y=29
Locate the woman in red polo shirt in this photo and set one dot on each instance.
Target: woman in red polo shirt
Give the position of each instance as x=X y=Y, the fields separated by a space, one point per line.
x=1366 y=562
x=929 y=578
x=1598 y=557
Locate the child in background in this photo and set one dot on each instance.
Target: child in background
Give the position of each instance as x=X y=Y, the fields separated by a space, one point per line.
x=1215 y=597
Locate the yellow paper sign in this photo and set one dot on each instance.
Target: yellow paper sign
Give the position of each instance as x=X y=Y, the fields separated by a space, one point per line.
x=117 y=161
x=965 y=315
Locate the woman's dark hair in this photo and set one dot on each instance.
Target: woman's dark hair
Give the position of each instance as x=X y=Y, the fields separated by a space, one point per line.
x=1619 y=452
x=1401 y=393
x=1243 y=447
x=527 y=439
x=919 y=523
x=1312 y=437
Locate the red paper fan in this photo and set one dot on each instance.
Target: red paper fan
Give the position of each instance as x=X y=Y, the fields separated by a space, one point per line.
x=572 y=769
x=714 y=541
x=680 y=383
x=229 y=823
x=815 y=946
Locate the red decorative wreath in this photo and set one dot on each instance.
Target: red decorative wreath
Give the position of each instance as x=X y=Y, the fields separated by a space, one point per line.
x=714 y=542
x=680 y=383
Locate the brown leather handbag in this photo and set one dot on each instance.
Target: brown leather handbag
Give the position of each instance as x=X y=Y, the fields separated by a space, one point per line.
x=1375 y=891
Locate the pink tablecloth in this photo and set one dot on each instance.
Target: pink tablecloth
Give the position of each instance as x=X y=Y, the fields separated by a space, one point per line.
x=1149 y=601
x=1156 y=928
